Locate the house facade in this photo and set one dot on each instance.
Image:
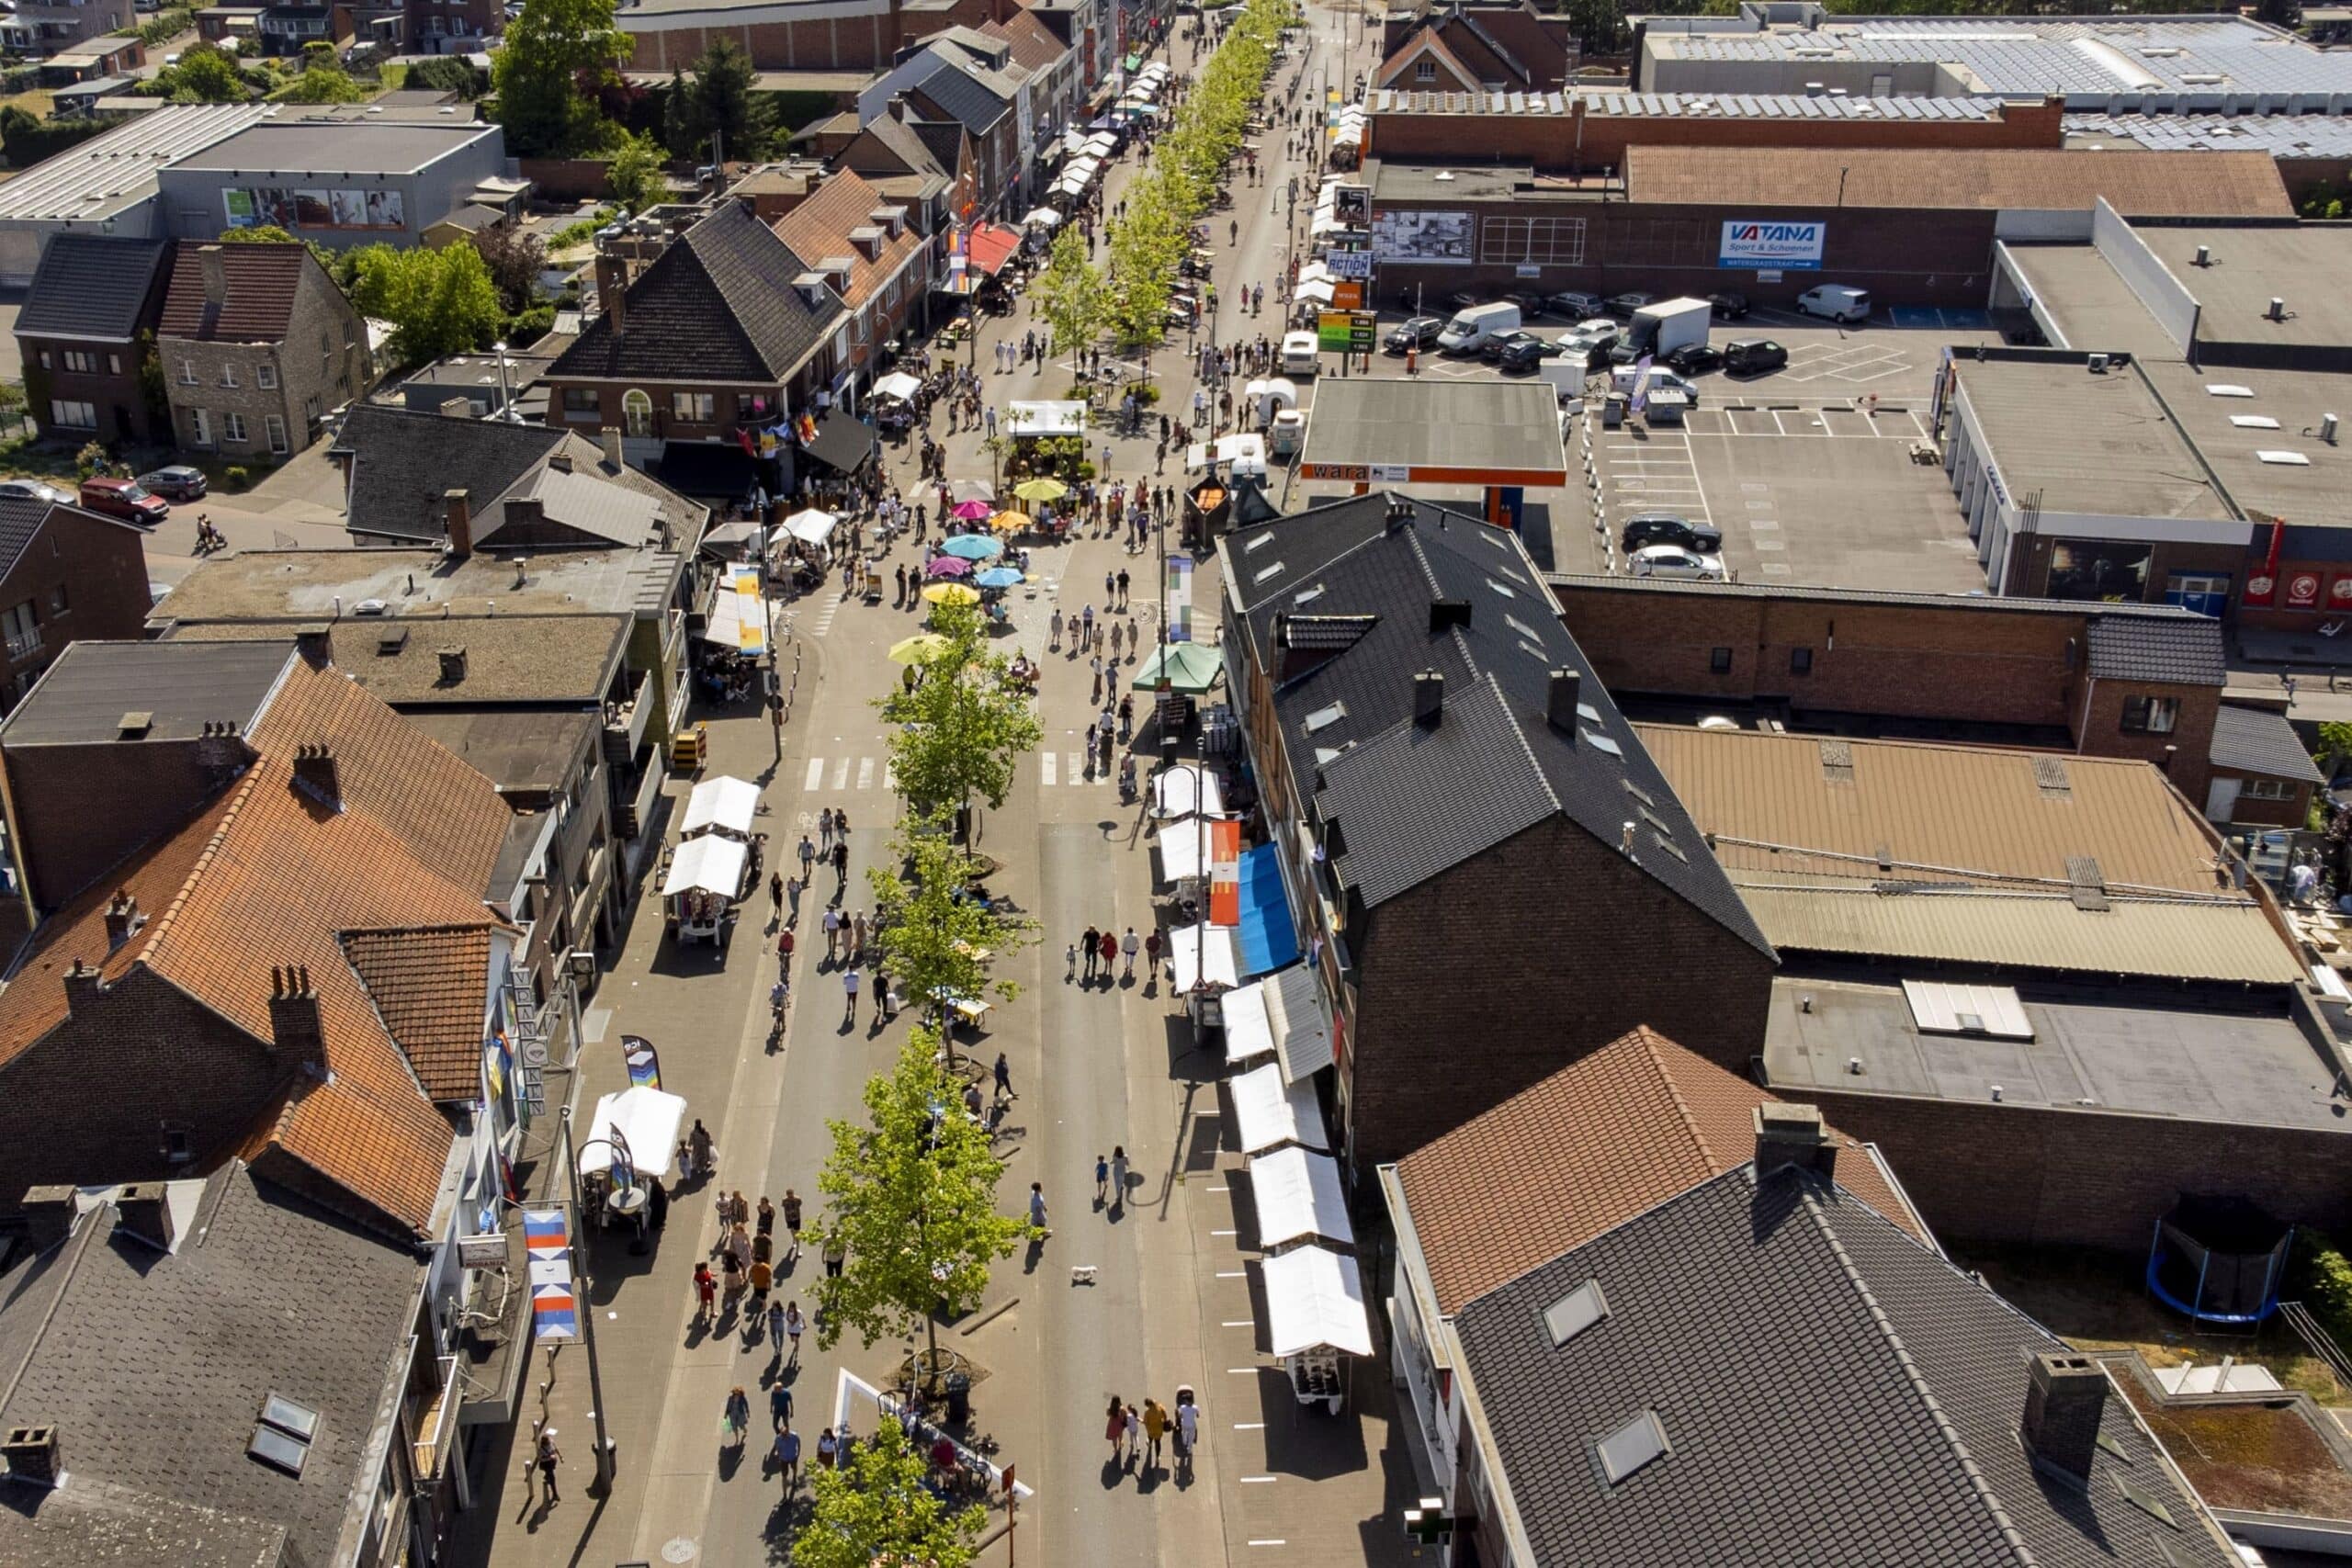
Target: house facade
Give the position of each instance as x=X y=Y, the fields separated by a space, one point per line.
x=258 y=345
x=84 y=331
x=890 y=265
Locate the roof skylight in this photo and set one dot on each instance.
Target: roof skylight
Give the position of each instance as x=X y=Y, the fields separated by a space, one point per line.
x=1631 y=1446
x=1575 y=1313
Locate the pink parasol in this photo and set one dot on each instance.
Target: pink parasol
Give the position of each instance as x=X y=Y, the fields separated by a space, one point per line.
x=974 y=511
x=948 y=566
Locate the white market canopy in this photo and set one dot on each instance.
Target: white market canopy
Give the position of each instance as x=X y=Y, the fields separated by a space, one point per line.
x=1314 y=1299
x=1315 y=272
x=1043 y=217
x=1085 y=168
x=1102 y=144
x=724 y=803
x=899 y=385
x=712 y=864
x=1267 y=1113
x=810 y=527
x=646 y=1121
x=1281 y=1013
x=1299 y=1199
x=1319 y=292
x=1246 y=452
x=1184 y=851
x=738 y=622
x=1202 y=955
x=1184 y=789
x=1055 y=418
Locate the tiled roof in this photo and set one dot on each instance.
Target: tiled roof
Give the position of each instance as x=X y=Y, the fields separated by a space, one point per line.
x=2256 y=740
x=944 y=141
x=263 y=281
x=2137 y=184
x=1033 y=43
x=820 y=226
x=1830 y=1391
x=90 y=286
x=1587 y=1149
x=718 y=306
x=2136 y=648
x=889 y=147
x=960 y=95
x=1428 y=39
x=23 y=518
x=154 y=1366
x=428 y=987
x=266 y=875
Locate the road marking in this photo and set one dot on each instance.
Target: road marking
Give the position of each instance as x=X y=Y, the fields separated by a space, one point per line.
x=816 y=774
x=1049 y=763
x=1257 y=1480
x=889 y=774
x=1276 y=1542
x=1234 y=1274
x=866 y=772
x=1242 y=1372
x=840 y=776
x=1248 y=1425
x=1212 y=1233
x=1241 y=1323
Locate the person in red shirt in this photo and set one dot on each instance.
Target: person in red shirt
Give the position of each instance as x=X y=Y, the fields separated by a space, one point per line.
x=1110 y=953
x=706 y=1290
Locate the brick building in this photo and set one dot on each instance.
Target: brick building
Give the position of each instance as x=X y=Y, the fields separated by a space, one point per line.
x=83 y=333
x=65 y=574
x=258 y=346
x=890 y=262
x=1468 y=46
x=2041 y=984
x=1493 y=878
x=793 y=35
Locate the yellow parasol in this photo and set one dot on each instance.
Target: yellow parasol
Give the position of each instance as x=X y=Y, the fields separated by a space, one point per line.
x=918 y=648
x=1041 y=489
x=1010 y=522
x=951 y=593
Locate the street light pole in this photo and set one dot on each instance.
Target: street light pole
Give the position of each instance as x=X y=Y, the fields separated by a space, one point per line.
x=605 y=1463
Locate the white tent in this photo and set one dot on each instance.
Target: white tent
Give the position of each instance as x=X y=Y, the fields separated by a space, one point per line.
x=1184 y=789
x=1299 y=1199
x=1281 y=1013
x=1266 y=1113
x=1246 y=452
x=712 y=864
x=1052 y=418
x=1084 y=168
x=1184 y=851
x=1315 y=272
x=646 y=1119
x=730 y=611
x=1043 y=217
x=1202 y=955
x=1319 y=292
x=724 y=803
x=810 y=527
x=1315 y=1296
x=899 y=385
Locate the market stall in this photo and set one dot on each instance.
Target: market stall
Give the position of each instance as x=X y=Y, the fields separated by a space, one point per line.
x=1280 y=1015
x=1269 y=1113
x=722 y=805
x=1183 y=849
x=629 y=1149
x=1315 y=1317
x=1299 y=1199
x=1186 y=789
x=1202 y=957
x=704 y=878
x=898 y=386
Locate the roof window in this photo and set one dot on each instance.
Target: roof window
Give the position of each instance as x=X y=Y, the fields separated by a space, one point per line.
x=1599 y=742
x=1308 y=595
x=1325 y=717
x=1631 y=1446
x=1575 y=1313
x=2254 y=422
x=282 y=1438
x=2284 y=458
x=1266 y=572
x=1506 y=592
x=2227 y=389
x=1267 y=536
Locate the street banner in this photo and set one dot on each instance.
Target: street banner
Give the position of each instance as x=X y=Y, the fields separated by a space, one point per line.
x=1180 y=598
x=547 y=1237
x=1225 y=872
x=751 y=614
x=644 y=1062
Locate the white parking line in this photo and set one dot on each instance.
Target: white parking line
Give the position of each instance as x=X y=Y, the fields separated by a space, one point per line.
x=816 y=778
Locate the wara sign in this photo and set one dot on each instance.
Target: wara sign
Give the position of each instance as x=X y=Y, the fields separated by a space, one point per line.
x=1749 y=242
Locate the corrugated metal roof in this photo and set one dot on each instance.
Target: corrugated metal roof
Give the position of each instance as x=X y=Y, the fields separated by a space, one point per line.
x=116 y=170
x=2187 y=940
x=2137 y=184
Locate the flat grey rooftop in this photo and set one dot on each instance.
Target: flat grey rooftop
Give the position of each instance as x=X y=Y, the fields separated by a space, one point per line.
x=2087 y=299
x=521 y=754
x=84 y=697
x=309 y=147
x=2098 y=446
x=2315 y=493
x=2309 y=268
x=2091 y=1051
x=326 y=585
x=1470 y=427
x=1430 y=181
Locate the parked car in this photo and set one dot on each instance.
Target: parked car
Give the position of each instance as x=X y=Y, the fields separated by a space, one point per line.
x=126 y=499
x=1672 y=560
x=1470 y=329
x=1694 y=359
x=1646 y=528
x=1529 y=303
x=1572 y=303
x=1417 y=331
x=178 y=483
x=30 y=489
x=1727 y=306
x=1626 y=304
x=1835 y=303
x=1491 y=351
x=1753 y=357
x=1591 y=342
x=1528 y=352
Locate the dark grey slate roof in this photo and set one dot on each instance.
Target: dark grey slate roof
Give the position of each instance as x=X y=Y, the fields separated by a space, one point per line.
x=909 y=149
x=718 y=306
x=91 y=288
x=22 y=517
x=404 y=464
x=154 y=1367
x=2138 y=647
x=1414 y=803
x=2256 y=740
x=1830 y=1392
x=944 y=139
x=82 y=697
x=961 y=95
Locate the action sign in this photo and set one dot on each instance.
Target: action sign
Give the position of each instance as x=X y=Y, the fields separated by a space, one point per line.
x=1765 y=242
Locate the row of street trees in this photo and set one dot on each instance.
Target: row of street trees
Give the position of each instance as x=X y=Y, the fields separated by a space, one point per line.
x=910 y=1191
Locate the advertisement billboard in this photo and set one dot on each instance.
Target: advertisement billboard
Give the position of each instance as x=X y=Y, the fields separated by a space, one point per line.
x=1417 y=237
x=1770 y=242
x=296 y=208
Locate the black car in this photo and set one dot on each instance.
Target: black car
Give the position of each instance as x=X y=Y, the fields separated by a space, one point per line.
x=1751 y=357
x=1665 y=528
x=1727 y=307
x=1417 y=332
x=1491 y=351
x=1694 y=358
x=1527 y=352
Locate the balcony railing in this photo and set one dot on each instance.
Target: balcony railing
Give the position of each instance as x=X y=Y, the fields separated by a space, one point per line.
x=24 y=646
x=436 y=1425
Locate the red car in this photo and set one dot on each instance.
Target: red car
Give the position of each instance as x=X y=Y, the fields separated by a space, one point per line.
x=126 y=499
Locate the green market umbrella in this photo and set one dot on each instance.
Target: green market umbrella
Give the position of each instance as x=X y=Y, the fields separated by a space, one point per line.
x=1191 y=668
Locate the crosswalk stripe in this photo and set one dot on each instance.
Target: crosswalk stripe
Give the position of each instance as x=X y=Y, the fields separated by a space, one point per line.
x=889 y=774
x=866 y=772
x=840 y=776
x=1049 y=761
x=816 y=773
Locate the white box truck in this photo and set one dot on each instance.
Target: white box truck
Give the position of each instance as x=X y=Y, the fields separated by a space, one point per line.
x=1658 y=330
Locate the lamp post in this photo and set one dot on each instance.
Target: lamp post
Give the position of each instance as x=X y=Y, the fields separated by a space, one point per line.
x=605 y=1461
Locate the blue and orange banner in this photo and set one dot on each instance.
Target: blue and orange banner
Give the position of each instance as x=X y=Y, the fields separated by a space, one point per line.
x=555 y=1308
x=1225 y=872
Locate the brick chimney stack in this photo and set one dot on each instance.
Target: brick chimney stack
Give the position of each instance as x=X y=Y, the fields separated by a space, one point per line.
x=122 y=918
x=314 y=770
x=459 y=517
x=1793 y=1135
x=294 y=1025
x=2066 y=1394
x=612 y=291
x=141 y=1210
x=216 y=276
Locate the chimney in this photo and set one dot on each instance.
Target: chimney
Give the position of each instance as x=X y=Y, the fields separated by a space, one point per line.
x=459 y=508
x=122 y=918
x=456 y=408
x=316 y=645
x=48 y=1214
x=2064 y=1396
x=140 y=1210
x=612 y=458
x=216 y=277
x=30 y=1453
x=612 y=291
x=1429 y=698
x=82 y=985
x=294 y=1014
x=1448 y=613
x=1560 y=704
x=453 y=666
x=1793 y=1135
x=314 y=771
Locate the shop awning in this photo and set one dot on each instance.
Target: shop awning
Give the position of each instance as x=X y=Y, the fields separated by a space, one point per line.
x=1184 y=789
x=843 y=442
x=1314 y=1297
x=1299 y=1199
x=1283 y=1014
x=1184 y=851
x=727 y=803
x=1056 y=417
x=1202 y=955
x=738 y=621
x=1269 y=939
x=727 y=539
x=1268 y=1113
x=991 y=245
x=712 y=864
x=811 y=526
x=1192 y=668
x=645 y=1120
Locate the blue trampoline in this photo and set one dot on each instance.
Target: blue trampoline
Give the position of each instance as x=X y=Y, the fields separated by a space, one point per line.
x=2218 y=1259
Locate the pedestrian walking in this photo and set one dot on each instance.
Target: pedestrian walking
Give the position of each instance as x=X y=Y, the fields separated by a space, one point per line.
x=786 y=942
x=706 y=1292
x=1004 y=1077
x=767 y=1223
x=841 y=831
x=763 y=1282
x=1038 y=1210
x=1187 y=1428
x=1092 y=944
x=1130 y=945
x=833 y=933
x=1119 y=1176
x=776 y=1326
x=1122 y=588
x=1110 y=955
x=547 y=1457
x=1055 y=645
x=1101 y=1181
x=1115 y=1431
x=1073 y=973
x=1155 y=1430
x=808 y=856
x=776 y=896
x=829 y=1447
x=780 y=1407
x=787 y=1457
x=836 y=1254
x=857 y=934
x=735 y=1419
x=1151 y=952
x=849 y=996
x=840 y=866
x=825 y=829
x=792 y=1222
x=1135 y=1435
x=793 y=1326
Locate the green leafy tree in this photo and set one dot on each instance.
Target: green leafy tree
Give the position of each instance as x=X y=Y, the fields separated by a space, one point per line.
x=1069 y=294
x=722 y=98
x=515 y=260
x=934 y=940
x=322 y=83
x=204 y=75
x=875 y=1510
x=678 y=115
x=963 y=725
x=638 y=177
x=910 y=1198
x=558 y=54
x=438 y=302
x=2334 y=743
x=448 y=74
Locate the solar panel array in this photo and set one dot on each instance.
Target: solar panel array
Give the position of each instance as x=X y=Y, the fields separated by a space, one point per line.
x=2281 y=135
x=116 y=168
x=1725 y=106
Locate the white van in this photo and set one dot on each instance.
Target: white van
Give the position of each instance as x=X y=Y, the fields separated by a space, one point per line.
x=1471 y=327
x=1838 y=301
x=1300 y=356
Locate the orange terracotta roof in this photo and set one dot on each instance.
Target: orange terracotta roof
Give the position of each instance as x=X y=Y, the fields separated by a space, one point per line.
x=820 y=226
x=1600 y=1141
x=428 y=987
x=270 y=874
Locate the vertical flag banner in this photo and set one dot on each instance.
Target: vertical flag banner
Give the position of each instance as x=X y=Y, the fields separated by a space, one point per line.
x=751 y=613
x=1225 y=872
x=1180 y=598
x=644 y=1062
x=547 y=1237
